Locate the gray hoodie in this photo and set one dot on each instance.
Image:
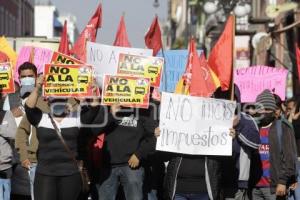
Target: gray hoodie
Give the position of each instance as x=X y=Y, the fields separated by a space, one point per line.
x=8 y=129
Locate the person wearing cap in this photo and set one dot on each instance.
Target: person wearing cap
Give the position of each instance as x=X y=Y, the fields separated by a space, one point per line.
x=275 y=170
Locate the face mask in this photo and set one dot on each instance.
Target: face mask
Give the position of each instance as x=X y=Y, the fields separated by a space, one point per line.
x=27 y=81
x=26 y=90
x=267 y=119
x=58 y=109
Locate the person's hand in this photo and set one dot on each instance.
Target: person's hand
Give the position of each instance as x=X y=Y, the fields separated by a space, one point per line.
x=157 y=132
x=114 y=109
x=26 y=164
x=133 y=162
x=232 y=133
x=280 y=190
x=39 y=81
x=296 y=116
x=17 y=112
x=294 y=186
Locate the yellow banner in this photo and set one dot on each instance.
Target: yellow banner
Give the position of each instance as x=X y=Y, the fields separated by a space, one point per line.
x=7 y=84
x=68 y=80
x=8 y=50
x=141 y=66
x=128 y=91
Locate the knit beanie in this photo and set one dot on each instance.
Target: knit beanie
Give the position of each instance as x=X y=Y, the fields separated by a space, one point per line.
x=267 y=100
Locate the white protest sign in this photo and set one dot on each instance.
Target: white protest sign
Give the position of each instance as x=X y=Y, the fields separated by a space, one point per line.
x=195 y=125
x=105 y=58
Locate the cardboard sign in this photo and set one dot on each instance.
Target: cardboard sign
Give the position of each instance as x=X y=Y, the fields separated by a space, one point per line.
x=195 y=125
x=59 y=58
x=7 y=84
x=175 y=63
x=253 y=80
x=129 y=91
x=105 y=58
x=141 y=66
x=39 y=56
x=8 y=50
x=68 y=80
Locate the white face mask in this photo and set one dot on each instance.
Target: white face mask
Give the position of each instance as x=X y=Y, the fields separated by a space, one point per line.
x=27 y=81
x=6 y=106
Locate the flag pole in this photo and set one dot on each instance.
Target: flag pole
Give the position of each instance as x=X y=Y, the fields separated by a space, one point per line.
x=233 y=60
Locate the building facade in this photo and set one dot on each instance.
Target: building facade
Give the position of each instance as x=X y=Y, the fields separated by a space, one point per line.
x=49 y=23
x=17 y=18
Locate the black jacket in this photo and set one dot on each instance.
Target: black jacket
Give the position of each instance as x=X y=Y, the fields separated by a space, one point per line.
x=213 y=176
x=131 y=133
x=283 y=169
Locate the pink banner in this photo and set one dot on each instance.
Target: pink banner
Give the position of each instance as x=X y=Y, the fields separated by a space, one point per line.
x=39 y=56
x=253 y=80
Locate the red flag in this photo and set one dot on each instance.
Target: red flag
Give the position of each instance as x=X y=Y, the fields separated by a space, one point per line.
x=121 y=36
x=153 y=37
x=197 y=80
x=64 y=41
x=221 y=57
x=298 y=59
x=203 y=70
x=88 y=34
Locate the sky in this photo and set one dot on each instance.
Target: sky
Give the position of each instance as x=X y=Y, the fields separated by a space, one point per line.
x=138 y=16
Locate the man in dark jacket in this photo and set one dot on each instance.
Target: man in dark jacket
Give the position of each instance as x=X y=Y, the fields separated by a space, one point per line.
x=206 y=178
x=277 y=155
x=129 y=140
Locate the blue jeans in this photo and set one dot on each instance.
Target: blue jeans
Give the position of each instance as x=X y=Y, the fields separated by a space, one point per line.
x=130 y=179
x=200 y=196
x=152 y=195
x=5 y=189
x=31 y=173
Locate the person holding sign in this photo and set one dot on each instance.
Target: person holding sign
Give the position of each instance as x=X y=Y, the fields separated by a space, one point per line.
x=128 y=142
x=57 y=174
x=236 y=168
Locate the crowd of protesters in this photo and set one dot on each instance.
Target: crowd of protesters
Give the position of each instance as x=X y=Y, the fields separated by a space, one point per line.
x=117 y=146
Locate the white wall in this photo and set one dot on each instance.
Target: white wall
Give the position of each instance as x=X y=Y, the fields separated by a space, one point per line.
x=43 y=20
x=72 y=28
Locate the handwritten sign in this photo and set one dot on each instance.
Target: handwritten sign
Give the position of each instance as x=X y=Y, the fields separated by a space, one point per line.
x=253 y=80
x=68 y=80
x=195 y=125
x=39 y=56
x=128 y=91
x=105 y=58
x=142 y=66
x=175 y=63
x=7 y=84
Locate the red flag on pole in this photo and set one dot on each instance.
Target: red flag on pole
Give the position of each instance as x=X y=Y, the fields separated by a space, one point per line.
x=202 y=70
x=197 y=79
x=121 y=36
x=153 y=37
x=88 y=34
x=298 y=59
x=64 y=41
x=221 y=57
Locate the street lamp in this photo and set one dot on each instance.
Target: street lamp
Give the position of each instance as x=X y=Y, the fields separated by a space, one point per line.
x=155 y=4
x=240 y=7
